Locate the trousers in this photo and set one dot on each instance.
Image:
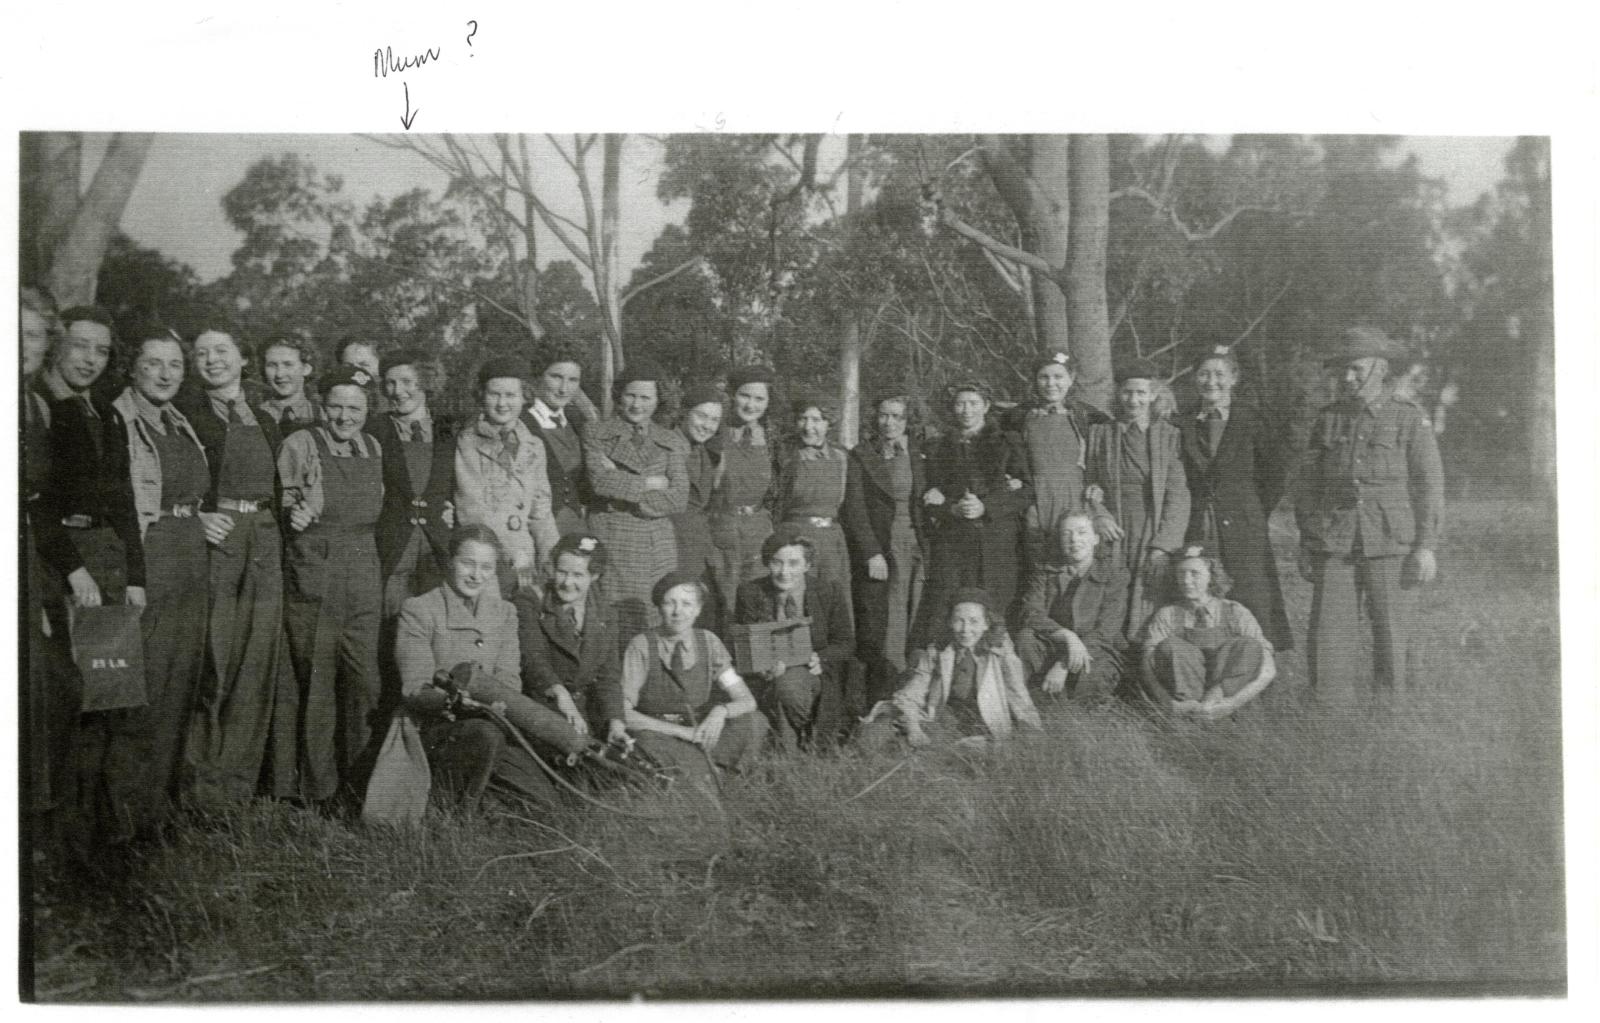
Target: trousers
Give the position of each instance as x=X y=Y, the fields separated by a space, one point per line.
x=1345 y=587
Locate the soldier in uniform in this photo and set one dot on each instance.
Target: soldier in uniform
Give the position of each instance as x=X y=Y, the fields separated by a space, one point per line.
x=1369 y=507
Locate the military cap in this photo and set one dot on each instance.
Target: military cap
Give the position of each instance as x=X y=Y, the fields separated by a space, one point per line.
x=1362 y=343
x=741 y=375
x=1061 y=359
x=502 y=367
x=977 y=387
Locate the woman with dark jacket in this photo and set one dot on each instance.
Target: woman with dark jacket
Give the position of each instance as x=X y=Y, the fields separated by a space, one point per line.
x=883 y=530
x=978 y=492
x=1236 y=463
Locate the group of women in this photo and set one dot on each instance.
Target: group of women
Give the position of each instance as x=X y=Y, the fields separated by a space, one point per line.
x=307 y=578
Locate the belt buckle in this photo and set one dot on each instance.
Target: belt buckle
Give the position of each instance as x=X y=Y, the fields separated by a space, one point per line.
x=78 y=521
x=746 y=509
x=183 y=511
x=821 y=522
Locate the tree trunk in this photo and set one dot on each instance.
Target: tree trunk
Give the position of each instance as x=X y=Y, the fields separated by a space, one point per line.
x=74 y=261
x=1089 y=322
x=850 y=348
x=608 y=286
x=51 y=171
x=1035 y=189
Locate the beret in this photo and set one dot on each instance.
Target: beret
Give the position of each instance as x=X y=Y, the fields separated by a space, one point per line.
x=1061 y=359
x=1139 y=369
x=787 y=536
x=341 y=376
x=404 y=357
x=659 y=591
x=579 y=542
x=703 y=394
x=975 y=386
x=973 y=595
x=741 y=375
x=638 y=369
x=500 y=367
x=826 y=404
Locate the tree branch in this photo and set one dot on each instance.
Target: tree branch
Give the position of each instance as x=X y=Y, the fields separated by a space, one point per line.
x=1192 y=234
x=1031 y=260
x=660 y=278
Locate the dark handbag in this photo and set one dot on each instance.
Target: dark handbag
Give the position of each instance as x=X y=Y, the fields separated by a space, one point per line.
x=108 y=647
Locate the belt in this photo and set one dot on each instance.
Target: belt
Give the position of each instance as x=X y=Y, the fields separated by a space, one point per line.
x=819 y=521
x=747 y=509
x=673 y=719
x=83 y=521
x=179 y=511
x=241 y=506
x=620 y=507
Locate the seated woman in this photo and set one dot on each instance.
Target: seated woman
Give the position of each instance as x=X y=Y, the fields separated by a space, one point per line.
x=568 y=635
x=1071 y=616
x=967 y=688
x=795 y=695
x=682 y=700
x=1204 y=657
x=466 y=621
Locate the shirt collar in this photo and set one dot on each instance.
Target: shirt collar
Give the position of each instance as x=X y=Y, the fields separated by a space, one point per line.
x=751 y=432
x=547 y=417
x=1205 y=413
x=488 y=430
x=1213 y=606
x=148 y=411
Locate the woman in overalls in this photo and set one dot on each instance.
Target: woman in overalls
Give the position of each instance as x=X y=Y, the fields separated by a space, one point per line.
x=332 y=477
x=810 y=494
x=1205 y=656
x=250 y=700
x=682 y=699
x=1055 y=435
x=1137 y=490
x=741 y=508
x=143 y=756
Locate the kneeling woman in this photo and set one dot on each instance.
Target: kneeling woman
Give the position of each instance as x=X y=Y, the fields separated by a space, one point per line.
x=681 y=697
x=467 y=621
x=1205 y=656
x=796 y=695
x=969 y=686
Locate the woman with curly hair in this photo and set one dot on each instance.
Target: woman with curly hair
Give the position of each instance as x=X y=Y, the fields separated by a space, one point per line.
x=1204 y=656
x=811 y=489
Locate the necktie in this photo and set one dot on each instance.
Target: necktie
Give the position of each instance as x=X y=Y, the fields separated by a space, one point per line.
x=789 y=609
x=413 y=431
x=233 y=412
x=560 y=419
x=1202 y=617
x=288 y=414
x=1214 y=426
x=676 y=665
x=890 y=450
x=744 y=436
x=570 y=614
x=169 y=420
x=640 y=431
x=509 y=443
x=96 y=436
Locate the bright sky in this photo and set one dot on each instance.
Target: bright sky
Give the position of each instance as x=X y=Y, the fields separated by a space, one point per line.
x=177 y=209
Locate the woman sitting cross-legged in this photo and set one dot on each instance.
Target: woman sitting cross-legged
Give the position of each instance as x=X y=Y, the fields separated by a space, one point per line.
x=1205 y=656
x=467 y=622
x=801 y=700
x=682 y=699
x=967 y=688
x=1071 y=616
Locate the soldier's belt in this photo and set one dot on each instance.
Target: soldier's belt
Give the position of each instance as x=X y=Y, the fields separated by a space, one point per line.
x=817 y=521
x=179 y=511
x=240 y=505
x=83 y=521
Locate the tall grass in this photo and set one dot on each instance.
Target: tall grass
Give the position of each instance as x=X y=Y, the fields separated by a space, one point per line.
x=1417 y=842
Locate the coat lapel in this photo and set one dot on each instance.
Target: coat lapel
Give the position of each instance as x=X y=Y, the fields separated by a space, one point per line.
x=558 y=632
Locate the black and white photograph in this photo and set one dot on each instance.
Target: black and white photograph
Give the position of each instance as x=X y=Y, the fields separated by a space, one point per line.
x=738 y=563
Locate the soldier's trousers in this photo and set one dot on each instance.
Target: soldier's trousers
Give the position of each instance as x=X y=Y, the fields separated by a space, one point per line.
x=1346 y=587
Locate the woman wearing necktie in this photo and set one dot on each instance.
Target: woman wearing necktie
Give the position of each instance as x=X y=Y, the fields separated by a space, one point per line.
x=1054 y=429
x=332 y=480
x=140 y=762
x=741 y=506
x=1237 y=463
x=697 y=552
x=884 y=529
x=1135 y=483
x=639 y=477
x=810 y=493
x=501 y=479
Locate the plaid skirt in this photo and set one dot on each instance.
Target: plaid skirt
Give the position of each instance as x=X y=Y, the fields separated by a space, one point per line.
x=639 y=551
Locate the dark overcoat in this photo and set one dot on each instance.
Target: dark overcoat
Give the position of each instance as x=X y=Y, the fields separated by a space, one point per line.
x=867 y=516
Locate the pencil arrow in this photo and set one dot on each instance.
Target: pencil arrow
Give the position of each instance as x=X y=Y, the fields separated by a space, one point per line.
x=410 y=115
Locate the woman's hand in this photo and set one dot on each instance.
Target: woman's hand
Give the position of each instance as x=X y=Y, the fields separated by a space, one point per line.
x=134 y=596
x=709 y=731
x=300 y=518
x=617 y=733
x=1420 y=566
x=815 y=664
x=1077 y=659
x=218 y=526
x=878 y=567
x=569 y=710
x=916 y=737
x=934 y=496
x=448 y=515
x=1055 y=680
x=85 y=591
x=1155 y=569
x=970 y=507
x=1107 y=527
x=656 y=483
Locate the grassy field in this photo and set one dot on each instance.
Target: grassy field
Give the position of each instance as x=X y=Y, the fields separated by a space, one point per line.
x=1290 y=850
